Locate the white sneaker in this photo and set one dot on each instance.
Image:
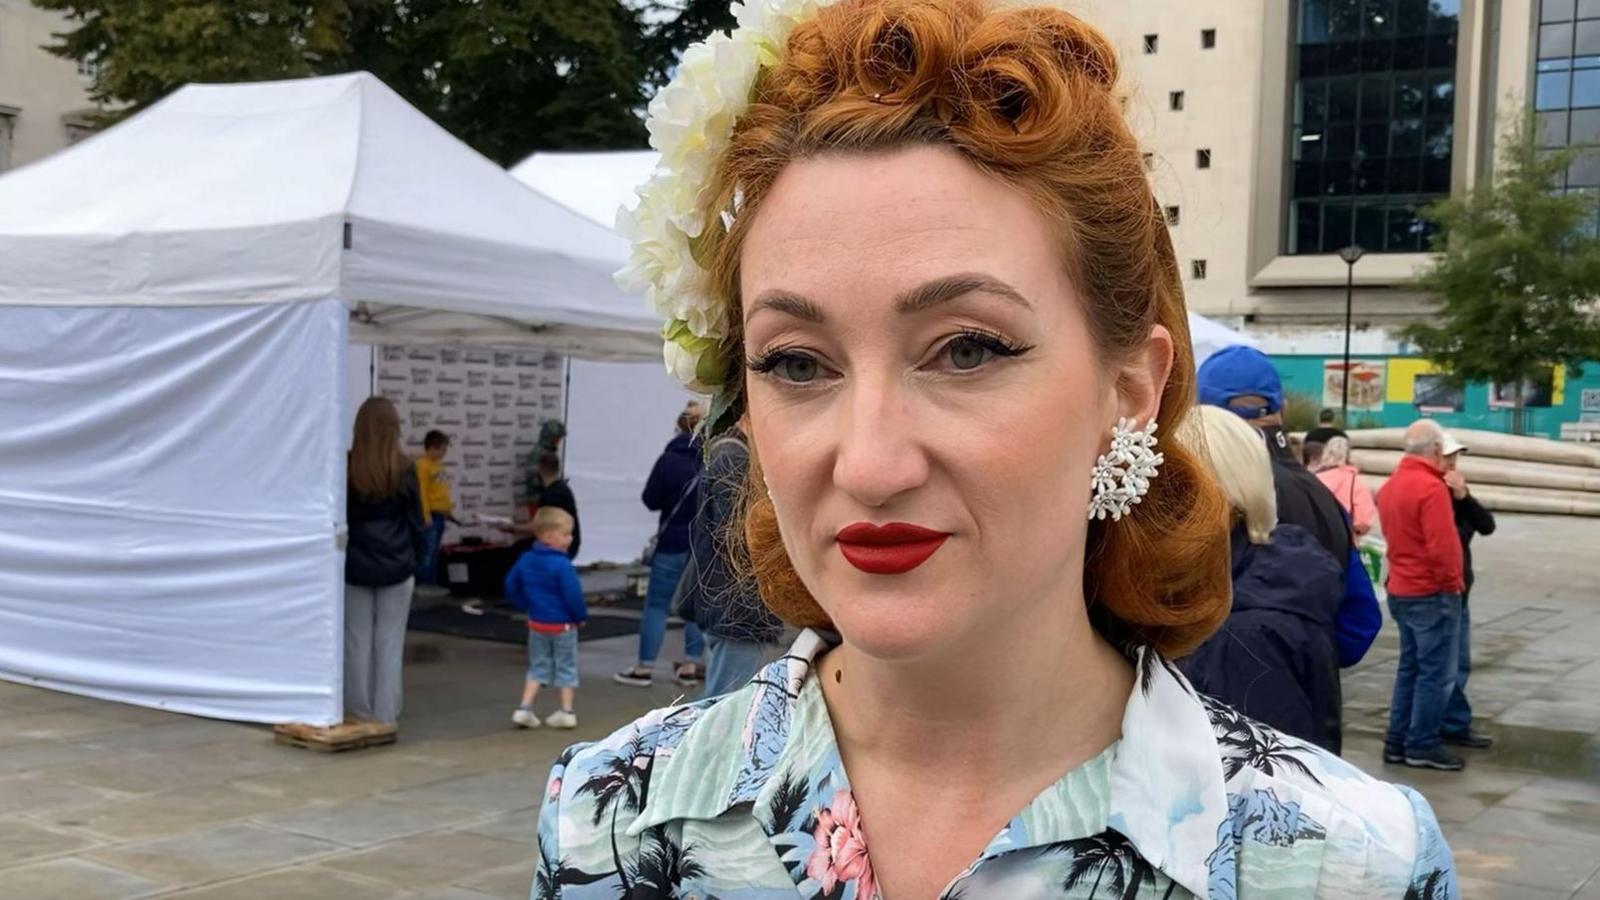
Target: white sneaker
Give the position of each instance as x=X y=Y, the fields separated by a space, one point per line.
x=562 y=719
x=524 y=718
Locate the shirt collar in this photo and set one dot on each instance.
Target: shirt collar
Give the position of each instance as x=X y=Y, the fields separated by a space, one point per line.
x=1167 y=790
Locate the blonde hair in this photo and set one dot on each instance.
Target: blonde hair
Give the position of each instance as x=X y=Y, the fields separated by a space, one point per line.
x=1239 y=460
x=1027 y=95
x=551 y=520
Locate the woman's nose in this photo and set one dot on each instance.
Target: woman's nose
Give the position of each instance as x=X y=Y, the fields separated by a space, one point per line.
x=879 y=454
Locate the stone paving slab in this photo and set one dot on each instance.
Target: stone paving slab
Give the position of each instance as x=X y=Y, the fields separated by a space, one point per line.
x=362 y=823
x=308 y=883
x=36 y=792
x=209 y=855
x=168 y=813
x=22 y=841
x=434 y=860
x=177 y=767
x=73 y=878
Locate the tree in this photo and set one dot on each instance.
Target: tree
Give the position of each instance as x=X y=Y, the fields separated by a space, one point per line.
x=679 y=25
x=1517 y=272
x=506 y=76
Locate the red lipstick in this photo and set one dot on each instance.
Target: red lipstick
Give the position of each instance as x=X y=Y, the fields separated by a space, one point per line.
x=892 y=549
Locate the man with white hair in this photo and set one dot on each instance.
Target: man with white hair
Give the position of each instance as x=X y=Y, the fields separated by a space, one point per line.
x=1425 y=585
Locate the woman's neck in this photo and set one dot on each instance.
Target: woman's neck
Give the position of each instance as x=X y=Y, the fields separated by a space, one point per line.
x=1034 y=696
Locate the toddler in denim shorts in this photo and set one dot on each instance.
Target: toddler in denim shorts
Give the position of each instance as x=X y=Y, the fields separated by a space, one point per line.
x=544 y=584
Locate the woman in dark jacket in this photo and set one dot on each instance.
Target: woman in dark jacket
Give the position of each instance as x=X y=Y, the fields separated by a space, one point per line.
x=1274 y=659
x=387 y=535
x=671 y=491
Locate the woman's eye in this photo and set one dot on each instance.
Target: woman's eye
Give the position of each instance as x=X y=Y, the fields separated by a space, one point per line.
x=966 y=353
x=796 y=367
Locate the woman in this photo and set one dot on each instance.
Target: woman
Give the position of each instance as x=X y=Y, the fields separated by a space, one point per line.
x=383 y=505
x=1274 y=658
x=670 y=491
x=942 y=300
x=1344 y=482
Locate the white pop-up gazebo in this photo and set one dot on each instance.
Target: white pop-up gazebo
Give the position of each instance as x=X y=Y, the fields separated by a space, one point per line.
x=176 y=297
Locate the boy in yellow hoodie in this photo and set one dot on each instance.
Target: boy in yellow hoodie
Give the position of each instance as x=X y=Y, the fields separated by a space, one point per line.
x=437 y=507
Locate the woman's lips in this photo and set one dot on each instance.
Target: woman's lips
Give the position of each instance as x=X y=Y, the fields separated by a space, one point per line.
x=892 y=549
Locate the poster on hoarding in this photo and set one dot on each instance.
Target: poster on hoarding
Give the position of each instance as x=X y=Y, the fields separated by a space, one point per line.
x=1537 y=393
x=1366 y=385
x=1434 y=394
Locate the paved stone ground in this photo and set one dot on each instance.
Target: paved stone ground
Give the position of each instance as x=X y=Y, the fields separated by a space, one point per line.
x=100 y=801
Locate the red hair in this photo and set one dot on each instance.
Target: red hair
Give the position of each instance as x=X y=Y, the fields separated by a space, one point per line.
x=1027 y=95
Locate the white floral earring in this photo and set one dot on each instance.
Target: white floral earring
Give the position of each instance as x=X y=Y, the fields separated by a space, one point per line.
x=1122 y=474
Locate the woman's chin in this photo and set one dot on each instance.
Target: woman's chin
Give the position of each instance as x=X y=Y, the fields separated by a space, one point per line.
x=889 y=627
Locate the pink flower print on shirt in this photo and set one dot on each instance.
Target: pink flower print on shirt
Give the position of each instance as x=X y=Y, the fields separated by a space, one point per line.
x=841 y=852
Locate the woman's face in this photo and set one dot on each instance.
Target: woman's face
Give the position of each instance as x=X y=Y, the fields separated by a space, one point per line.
x=920 y=358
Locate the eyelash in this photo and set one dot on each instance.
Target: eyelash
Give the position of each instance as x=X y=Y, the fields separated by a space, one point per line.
x=988 y=340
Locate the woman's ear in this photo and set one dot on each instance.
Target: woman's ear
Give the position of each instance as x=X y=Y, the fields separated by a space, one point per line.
x=1144 y=377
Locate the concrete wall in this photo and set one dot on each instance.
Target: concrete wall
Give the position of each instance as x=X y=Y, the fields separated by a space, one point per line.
x=1219 y=89
x=45 y=90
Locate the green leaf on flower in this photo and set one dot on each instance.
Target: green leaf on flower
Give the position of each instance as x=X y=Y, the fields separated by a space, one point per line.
x=674 y=330
x=727 y=405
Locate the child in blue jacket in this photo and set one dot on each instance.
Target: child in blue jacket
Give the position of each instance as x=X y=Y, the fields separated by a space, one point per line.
x=544 y=584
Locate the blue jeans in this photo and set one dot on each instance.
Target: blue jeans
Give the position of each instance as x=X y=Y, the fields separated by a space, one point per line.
x=1457 y=711
x=731 y=663
x=1429 y=643
x=665 y=570
x=553 y=658
x=427 y=573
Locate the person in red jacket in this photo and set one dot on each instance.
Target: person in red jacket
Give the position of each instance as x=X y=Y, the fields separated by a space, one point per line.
x=1425 y=585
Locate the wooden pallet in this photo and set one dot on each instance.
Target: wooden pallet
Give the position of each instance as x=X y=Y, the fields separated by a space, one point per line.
x=335 y=738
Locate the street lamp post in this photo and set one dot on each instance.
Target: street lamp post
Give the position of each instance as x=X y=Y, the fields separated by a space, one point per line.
x=1350 y=255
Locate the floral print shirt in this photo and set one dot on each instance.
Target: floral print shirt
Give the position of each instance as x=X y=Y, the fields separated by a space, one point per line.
x=743 y=797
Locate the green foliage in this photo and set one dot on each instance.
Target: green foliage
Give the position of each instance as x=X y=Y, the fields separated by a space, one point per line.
x=1300 y=411
x=507 y=76
x=1517 y=271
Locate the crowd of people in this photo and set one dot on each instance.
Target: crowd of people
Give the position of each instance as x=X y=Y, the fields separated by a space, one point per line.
x=1304 y=605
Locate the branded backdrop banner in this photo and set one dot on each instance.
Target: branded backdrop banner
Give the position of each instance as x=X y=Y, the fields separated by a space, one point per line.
x=491 y=402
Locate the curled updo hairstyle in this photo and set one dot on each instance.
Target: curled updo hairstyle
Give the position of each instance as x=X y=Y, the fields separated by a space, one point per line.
x=1028 y=95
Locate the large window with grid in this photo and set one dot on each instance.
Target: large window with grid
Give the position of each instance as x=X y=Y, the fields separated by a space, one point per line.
x=1373 y=123
x=1567 y=85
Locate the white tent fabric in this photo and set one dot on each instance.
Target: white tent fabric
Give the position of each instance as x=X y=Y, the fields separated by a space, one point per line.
x=176 y=299
x=598 y=184
x=301 y=190
x=172 y=487
x=619 y=418
x=1208 y=337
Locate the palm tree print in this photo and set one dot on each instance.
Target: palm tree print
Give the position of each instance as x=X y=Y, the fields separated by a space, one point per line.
x=1433 y=886
x=787 y=802
x=663 y=863
x=1103 y=855
x=1149 y=660
x=619 y=784
x=1246 y=743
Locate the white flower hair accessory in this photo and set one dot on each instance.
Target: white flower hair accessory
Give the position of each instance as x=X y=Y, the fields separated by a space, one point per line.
x=691 y=123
